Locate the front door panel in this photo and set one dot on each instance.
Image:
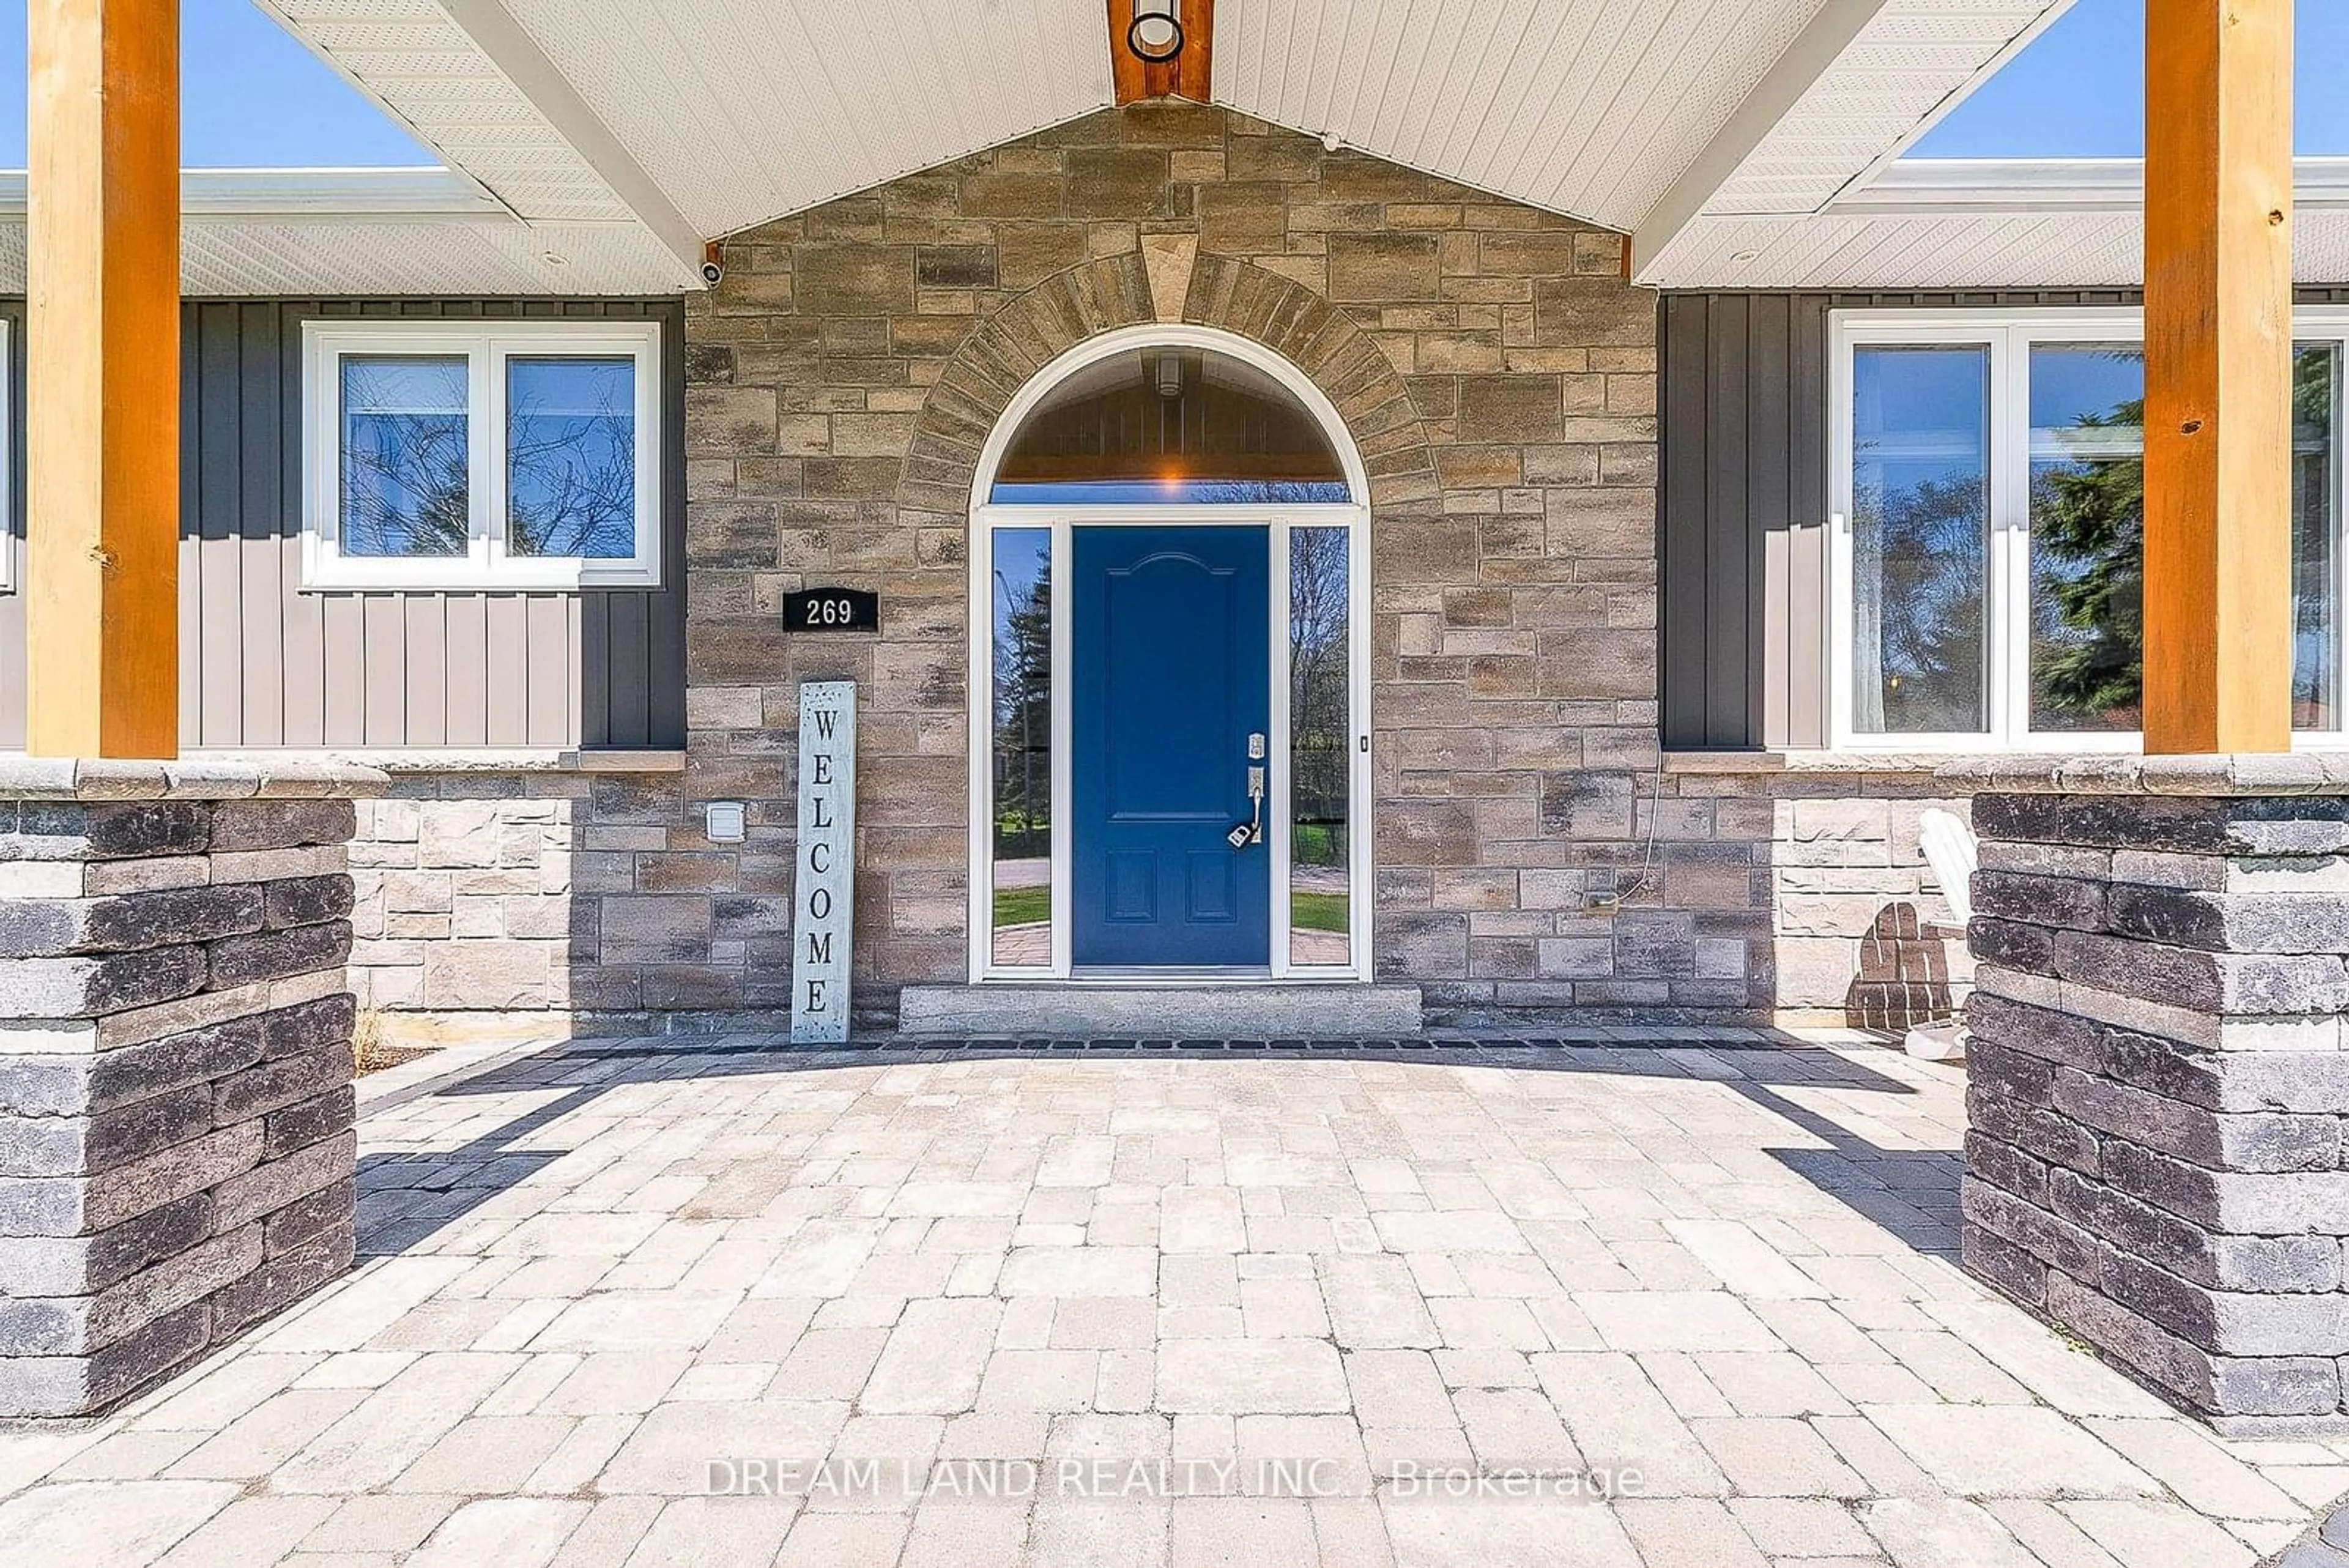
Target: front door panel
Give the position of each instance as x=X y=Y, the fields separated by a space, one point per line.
x=1172 y=678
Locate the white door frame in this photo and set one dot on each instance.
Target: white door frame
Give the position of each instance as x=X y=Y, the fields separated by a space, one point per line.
x=986 y=517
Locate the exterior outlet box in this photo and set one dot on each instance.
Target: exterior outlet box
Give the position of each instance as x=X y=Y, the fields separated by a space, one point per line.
x=1601 y=903
x=723 y=822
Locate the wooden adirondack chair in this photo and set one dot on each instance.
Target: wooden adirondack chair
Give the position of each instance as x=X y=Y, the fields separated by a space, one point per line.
x=1950 y=849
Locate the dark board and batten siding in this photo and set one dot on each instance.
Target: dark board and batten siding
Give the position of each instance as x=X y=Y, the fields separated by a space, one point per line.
x=264 y=664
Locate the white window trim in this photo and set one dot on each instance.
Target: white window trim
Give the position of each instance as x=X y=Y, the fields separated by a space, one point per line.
x=486 y=347
x=988 y=517
x=2009 y=336
x=17 y=543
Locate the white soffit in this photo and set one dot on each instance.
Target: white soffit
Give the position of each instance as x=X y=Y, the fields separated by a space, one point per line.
x=1711 y=129
x=483 y=98
x=1864 y=82
x=412 y=57
x=744 y=111
x=374 y=232
x=1911 y=60
x=1985 y=223
x=738 y=111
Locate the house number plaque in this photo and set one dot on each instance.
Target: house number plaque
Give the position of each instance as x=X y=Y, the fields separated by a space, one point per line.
x=823 y=885
x=832 y=610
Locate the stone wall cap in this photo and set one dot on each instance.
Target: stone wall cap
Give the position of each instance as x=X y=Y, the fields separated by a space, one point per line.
x=1850 y=763
x=292 y=777
x=2128 y=772
x=481 y=758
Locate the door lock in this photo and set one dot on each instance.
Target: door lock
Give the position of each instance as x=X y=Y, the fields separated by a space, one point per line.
x=1244 y=834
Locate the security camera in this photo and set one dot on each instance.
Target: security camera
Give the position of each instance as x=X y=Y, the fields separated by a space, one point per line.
x=711 y=272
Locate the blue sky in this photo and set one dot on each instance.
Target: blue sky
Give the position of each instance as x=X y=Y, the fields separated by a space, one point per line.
x=249 y=96
x=252 y=97
x=2078 y=91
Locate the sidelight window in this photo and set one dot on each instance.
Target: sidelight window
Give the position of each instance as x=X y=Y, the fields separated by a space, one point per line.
x=1019 y=830
x=1321 y=748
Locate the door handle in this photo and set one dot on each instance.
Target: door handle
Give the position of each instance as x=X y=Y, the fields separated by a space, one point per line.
x=1251 y=831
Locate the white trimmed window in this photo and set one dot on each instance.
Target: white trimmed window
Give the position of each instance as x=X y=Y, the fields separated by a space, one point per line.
x=10 y=535
x=509 y=454
x=1988 y=560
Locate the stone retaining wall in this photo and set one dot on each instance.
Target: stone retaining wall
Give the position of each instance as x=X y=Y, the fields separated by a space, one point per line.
x=176 y=1143
x=1802 y=894
x=1799 y=895
x=496 y=891
x=2157 y=1082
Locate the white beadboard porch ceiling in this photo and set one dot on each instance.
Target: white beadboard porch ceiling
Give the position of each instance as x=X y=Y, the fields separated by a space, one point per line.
x=1586 y=106
x=738 y=111
x=373 y=231
x=744 y=111
x=1706 y=129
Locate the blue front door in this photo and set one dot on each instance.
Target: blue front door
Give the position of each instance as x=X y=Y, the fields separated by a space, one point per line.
x=1171 y=680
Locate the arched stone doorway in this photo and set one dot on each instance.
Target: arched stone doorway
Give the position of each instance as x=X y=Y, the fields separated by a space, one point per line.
x=1171 y=704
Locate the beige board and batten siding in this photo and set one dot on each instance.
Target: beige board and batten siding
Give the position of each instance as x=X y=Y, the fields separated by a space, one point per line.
x=264 y=664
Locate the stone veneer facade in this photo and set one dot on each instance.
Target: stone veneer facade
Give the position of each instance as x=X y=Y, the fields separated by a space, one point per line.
x=1497 y=373
x=500 y=888
x=177 y=1158
x=1842 y=919
x=1493 y=366
x=1803 y=895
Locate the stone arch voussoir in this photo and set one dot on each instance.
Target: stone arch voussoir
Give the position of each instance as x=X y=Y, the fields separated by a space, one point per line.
x=982 y=376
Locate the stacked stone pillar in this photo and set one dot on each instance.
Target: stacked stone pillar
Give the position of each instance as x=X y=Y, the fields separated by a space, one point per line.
x=177 y=1153
x=2158 y=1070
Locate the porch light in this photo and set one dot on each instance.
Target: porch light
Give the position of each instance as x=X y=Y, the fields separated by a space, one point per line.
x=1170 y=374
x=1155 y=33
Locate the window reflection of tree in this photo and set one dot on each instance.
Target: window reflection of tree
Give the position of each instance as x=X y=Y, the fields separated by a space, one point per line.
x=2316 y=587
x=1319 y=695
x=571 y=472
x=1919 y=576
x=2088 y=583
x=404 y=470
x=1023 y=716
x=1261 y=492
x=2088 y=544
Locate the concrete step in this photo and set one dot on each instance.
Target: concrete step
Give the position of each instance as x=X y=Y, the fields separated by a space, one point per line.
x=1118 y=1011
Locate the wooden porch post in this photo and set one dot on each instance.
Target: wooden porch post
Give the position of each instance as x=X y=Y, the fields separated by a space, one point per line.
x=2218 y=370
x=102 y=415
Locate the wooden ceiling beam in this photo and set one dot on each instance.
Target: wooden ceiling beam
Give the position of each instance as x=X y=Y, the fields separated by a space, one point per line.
x=1189 y=74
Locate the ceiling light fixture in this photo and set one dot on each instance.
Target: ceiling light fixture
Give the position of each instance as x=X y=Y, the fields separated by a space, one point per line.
x=1170 y=374
x=1156 y=33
